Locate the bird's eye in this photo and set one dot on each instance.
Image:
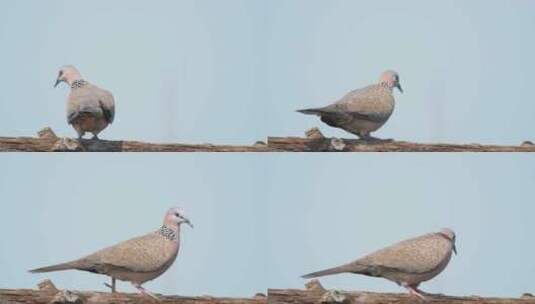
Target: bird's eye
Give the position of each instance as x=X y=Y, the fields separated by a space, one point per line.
x=177 y=215
x=60 y=73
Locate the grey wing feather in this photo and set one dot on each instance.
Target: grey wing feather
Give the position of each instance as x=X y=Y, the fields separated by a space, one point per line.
x=344 y=113
x=141 y=254
x=71 y=115
x=107 y=104
x=90 y=99
x=417 y=255
x=370 y=103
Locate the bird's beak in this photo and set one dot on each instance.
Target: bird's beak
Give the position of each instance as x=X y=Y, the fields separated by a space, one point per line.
x=187 y=222
x=454 y=249
x=399 y=87
x=58 y=81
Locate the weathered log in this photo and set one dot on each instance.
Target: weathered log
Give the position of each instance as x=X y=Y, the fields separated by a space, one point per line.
x=27 y=296
x=49 y=294
x=315 y=142
x=49 y=142
x=296 y=144
x=314 y=294
x=294 y=296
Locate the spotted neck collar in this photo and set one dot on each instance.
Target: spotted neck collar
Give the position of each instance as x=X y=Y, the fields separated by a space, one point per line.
x=78 y=84
x=168 y=233
x=386 y=86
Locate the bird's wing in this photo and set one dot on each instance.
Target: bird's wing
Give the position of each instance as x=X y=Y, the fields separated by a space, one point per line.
x=371 y=103
x=82 y=100
x=418 y=255
x=147 y=253
x=107 y=105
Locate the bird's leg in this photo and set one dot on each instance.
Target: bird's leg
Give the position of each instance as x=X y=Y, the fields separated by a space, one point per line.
x=146 y=292
x=426 y=293
x=414 y=291
x=79 y=131
x=95 y=135
x=112 y=286
x=419 y=290
x=365 y=136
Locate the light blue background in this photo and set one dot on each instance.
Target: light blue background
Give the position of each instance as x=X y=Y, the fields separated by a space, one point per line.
x=263 y=220
x=234 y=71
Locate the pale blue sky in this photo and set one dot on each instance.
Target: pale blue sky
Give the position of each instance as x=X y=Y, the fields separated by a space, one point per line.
x=234 y=71
x=263 y=220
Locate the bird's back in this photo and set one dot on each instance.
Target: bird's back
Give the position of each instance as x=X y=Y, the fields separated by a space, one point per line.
x=376 y=100
x=416 y=256
x=148 y=253
x=91 y=99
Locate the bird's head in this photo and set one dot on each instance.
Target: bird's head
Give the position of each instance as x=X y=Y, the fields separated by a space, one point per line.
x=175 y=217
x=391 y=80
x=67 y=74
x=450 y=235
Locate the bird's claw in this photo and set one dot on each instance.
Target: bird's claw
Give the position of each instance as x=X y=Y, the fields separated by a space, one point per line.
x=416 y=292
x=146 y=292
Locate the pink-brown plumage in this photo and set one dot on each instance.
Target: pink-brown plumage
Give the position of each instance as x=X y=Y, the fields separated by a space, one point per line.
x=364 y=110
x=407 y=263
x=136 y=260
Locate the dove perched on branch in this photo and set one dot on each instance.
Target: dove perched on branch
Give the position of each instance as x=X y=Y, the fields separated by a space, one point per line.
x=407 y=263
x=364 y=110
x=89 y=108
x=137 y=260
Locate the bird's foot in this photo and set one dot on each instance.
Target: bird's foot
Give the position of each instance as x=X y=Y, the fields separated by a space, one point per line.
x=413 y=291
x=146 y=292
x=95 y=137
x=80 y=134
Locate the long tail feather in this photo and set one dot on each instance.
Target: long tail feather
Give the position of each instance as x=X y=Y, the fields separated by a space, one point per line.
x=58 y=267
x=310 y=111
x=334 y=270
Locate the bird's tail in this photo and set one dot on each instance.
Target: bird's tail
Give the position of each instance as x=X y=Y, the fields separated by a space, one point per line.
x=334 y=270
x=315 y=111
x=57 y=267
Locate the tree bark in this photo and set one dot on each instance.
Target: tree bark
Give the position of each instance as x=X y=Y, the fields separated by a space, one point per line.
x=27 y=296
x=314 y=294
x=315 y=142
x=296 y=144
x=275 y=296
x=294 y=296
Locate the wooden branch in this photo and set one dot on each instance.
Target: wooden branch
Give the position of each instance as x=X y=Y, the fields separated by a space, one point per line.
x=27 y=296
x=315 y=294
x=315 y=142
x=49 y=295
x=49 y=142
x=318 y=295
